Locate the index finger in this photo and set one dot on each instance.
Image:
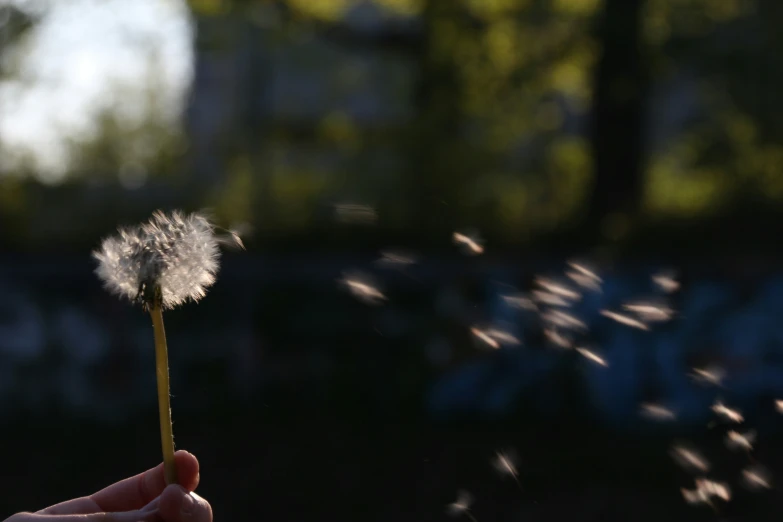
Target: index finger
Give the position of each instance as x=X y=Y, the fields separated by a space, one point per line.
x=138 y=491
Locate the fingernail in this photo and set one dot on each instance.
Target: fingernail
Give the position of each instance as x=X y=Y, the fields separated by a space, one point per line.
x=188 y=506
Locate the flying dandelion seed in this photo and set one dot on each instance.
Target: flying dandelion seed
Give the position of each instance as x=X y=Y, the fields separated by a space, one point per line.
x=650 y=311
x=548 y=298
x=563 y=320
x=756 y=478
x=666 y=282
x=584 y=270
x=558 y=289
x=522 y=302
x=470 y=245
x=624 y=319
x=554 y=337
x=656 y=412
x=586 y=282
x=712 y=376
x=395 y=259
x=502 y=336
x=486 y=339
x=690 y=459
x=505 y=464
x=727 y=413
x=363 y=288
x=592 y=356
x=705 y=490
x=461 y=506
x=736 y=440
x=352 y=213
x=163 y=263
x=779 y=405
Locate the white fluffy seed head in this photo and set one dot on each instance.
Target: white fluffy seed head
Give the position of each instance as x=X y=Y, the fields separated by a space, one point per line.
x=175 y=252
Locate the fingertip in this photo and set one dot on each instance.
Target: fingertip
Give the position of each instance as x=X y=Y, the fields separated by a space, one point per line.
x=188 y=474
x=176 y=503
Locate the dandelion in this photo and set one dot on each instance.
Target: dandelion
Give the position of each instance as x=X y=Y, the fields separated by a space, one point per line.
x=779 y=405
x=461 y=506
x=167 y=261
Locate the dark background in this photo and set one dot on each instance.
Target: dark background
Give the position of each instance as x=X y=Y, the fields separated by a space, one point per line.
x=640 y=135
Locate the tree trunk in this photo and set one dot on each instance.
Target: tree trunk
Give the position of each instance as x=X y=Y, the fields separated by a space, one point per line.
x=617 y=126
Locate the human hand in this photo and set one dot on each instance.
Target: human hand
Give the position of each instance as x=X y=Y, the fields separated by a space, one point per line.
x=143 y=498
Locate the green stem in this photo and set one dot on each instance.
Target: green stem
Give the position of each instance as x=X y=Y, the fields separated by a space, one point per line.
x=164 y=405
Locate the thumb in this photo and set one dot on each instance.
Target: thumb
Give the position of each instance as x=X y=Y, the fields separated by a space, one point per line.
x=179 y=505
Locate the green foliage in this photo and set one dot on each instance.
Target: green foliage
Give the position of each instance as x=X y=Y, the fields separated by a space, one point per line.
x=490 y=100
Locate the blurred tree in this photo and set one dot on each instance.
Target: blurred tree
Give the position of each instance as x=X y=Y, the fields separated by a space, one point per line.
x=618 y=124
x=518 y=117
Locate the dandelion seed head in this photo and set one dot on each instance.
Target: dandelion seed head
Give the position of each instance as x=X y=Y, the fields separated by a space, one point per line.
x=175 y=252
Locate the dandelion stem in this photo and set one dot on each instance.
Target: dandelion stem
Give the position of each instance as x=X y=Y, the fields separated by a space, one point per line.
x=164 y=404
